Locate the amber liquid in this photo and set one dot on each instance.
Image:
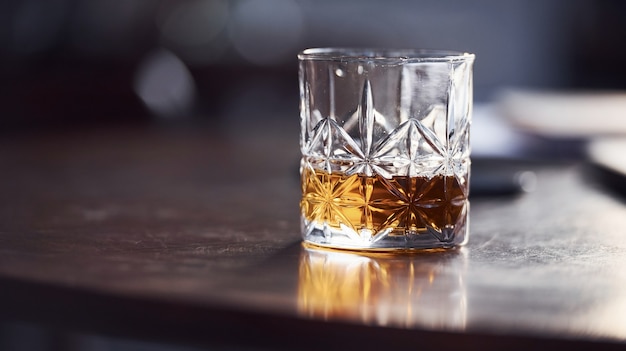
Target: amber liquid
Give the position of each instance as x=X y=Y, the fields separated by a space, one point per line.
x=401 y=205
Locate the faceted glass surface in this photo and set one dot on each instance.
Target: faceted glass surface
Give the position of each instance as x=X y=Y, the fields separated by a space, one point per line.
x=385 y=148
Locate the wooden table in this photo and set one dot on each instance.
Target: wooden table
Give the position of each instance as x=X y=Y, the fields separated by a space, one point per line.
x=192 y=238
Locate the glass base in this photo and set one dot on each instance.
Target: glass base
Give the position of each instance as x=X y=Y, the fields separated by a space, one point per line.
x=321 y=234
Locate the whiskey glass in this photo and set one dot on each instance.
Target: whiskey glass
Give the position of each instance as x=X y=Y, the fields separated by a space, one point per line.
x=385 y=148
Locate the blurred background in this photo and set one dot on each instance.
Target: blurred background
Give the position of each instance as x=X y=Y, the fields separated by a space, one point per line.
x=232 y=64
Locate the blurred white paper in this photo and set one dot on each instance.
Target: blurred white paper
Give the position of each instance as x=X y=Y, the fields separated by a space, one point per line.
x=609 y=153
x=492 y=136
x=566 y=114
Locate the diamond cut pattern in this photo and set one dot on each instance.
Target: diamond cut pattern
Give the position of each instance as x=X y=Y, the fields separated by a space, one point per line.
x=435 y=143
x=410 y=149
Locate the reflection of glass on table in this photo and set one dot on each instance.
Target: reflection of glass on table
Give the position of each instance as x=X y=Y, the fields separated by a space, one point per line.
x=402 y=290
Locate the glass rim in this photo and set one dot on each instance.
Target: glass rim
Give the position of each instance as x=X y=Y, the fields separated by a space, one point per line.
x=383 y=54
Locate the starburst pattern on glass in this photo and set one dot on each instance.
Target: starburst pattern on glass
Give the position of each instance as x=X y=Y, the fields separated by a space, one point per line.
x=385 y=148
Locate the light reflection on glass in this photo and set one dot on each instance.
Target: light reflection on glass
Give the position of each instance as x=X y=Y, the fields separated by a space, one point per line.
x=401 y=290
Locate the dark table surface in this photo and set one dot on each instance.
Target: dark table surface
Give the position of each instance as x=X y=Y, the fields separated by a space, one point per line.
x=192 y=237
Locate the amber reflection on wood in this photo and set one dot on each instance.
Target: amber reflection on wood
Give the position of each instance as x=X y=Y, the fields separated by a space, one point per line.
x=379 y=289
